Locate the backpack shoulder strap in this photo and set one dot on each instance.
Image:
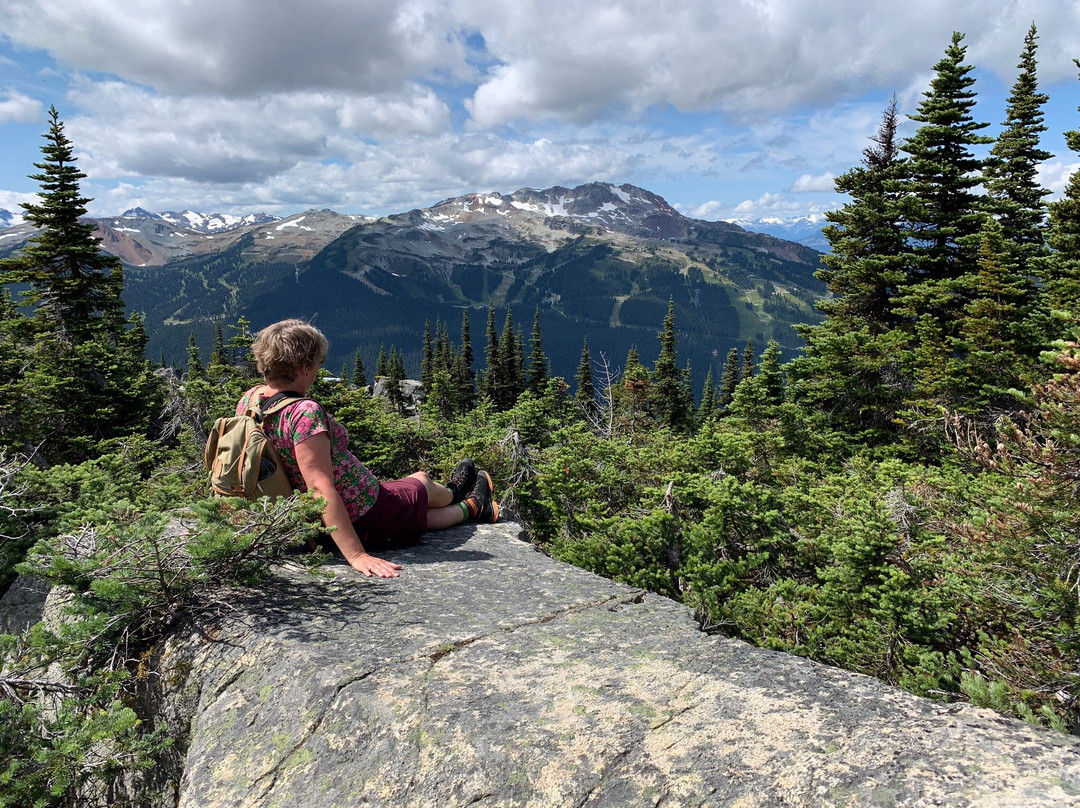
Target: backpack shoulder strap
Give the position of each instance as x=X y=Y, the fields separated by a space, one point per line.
x=276 y=402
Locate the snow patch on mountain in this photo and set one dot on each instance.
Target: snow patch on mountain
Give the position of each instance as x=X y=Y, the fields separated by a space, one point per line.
x=9 y=219
x=801 y=229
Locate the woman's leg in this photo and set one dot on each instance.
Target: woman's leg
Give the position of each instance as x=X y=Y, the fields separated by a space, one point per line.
x=441 y=518
x=439 y=496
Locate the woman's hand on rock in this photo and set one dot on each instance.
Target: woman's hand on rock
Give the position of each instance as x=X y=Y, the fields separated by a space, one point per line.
x=370 y=566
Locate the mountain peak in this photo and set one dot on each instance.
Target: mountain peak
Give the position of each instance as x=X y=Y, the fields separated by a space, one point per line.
x=139 y=213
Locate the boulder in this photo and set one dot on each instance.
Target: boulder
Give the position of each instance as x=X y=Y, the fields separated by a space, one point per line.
x=489 y=674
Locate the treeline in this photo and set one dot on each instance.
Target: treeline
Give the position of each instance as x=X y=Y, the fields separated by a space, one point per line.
x=900 y=500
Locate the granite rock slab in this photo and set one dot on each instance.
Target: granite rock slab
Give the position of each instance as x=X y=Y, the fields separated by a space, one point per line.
x=491 y=675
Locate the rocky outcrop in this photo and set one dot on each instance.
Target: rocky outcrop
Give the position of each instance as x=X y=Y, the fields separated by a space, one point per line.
x=23 y=604
x=488 y=674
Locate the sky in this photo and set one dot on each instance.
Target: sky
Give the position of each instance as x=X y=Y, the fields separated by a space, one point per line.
x=729 y=109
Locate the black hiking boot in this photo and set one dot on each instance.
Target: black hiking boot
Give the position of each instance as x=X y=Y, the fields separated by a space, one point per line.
x=462 y=480
x=482 y=506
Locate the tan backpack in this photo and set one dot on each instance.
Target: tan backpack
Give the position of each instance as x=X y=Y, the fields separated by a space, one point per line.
x=240 y=457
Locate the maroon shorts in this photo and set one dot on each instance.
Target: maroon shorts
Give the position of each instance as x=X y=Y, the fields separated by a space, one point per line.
x=398 y=516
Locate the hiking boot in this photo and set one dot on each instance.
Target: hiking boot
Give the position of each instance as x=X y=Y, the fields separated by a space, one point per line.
x=462 y=480
x=482 y=507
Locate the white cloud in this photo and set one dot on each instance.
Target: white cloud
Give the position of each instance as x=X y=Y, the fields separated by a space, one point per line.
x=18 y=108
x=1054 y=175
x=810 y=184
x=239 y=47
x=565 y=60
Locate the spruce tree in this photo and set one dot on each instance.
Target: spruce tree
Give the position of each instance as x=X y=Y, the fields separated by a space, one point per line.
x=849 y=374
x=944 y=216
x=989 y=357
x=491 y=382
x=219 y=355
x=729 y=379
x=80 y=373
x=359 y=374
x=464 y=375
x=194 y=363
x=586 y=390
x=427 y=361
x=747 y=368
x=382 y=363
x=707 y=410
x=1013 y=166
x=538 y=362
x=667 y=381
x=1062 y=269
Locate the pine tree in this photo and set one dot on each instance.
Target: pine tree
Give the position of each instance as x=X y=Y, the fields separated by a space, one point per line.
x=1012 y=170
x=538 y=362
x=729 y=379
x=382 y=364
x=80 y=373
x=849 y=374
x=427 y=361
x=194 y=363
x=586 y=390
x=943 y=214
x=1062 y=269
x=667 y=381
x=747 y=368
x=219 y=355
x=491 y=382
x=464 y=375
x=707 y=410
x=359 y=374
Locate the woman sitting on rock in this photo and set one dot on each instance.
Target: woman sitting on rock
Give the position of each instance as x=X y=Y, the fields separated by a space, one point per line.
x=363 y=513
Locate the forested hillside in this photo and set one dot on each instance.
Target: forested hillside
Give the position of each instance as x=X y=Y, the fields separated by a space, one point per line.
x=898 y=500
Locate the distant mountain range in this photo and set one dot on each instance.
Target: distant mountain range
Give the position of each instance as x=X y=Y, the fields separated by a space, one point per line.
x=803 y=229
x=598 y=260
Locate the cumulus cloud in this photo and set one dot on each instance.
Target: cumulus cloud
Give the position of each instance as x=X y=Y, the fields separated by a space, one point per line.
x=215 y=139
x=18 y=108
x=810 y=184
x=1055 y=175
x=560 y=59
x=239 y=47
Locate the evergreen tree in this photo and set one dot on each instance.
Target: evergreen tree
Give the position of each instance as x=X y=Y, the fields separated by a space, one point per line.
x=849 y=371
x=586 y=390
x=943 y=173
x=747 y=368
x=79 y=373
x=464 y=375
x=729 y=379
x=74 y=288
x=1062 y=269
x=538 y=362
x=194 y=363
x=428 y=359
x=943 y=218
x=359 y=374
x=382 y=364
x=988 y=355
x=239 y=345
x=219 y=355
x=1012 y=170
x=707 y=410
x=667 y=381
x=491 y=381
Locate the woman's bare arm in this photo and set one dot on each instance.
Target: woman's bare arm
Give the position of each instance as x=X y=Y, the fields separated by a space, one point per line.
x=313 y=457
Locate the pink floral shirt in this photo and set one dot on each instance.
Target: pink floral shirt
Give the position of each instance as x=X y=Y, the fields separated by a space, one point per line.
x=358 y=487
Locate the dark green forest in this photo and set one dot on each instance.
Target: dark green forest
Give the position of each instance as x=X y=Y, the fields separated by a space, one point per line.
x=899 y=500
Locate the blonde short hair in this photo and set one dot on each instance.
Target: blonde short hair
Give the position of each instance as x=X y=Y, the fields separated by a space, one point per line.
x=285 y=349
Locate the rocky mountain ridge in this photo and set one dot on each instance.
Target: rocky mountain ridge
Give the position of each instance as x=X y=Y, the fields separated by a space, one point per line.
x=598 y=260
